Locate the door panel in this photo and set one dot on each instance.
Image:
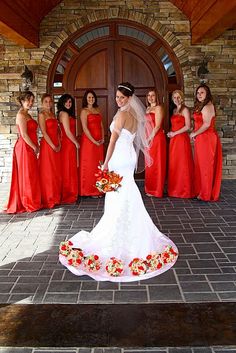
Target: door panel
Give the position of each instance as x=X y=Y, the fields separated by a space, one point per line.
x=93 y=73
x=103 y=66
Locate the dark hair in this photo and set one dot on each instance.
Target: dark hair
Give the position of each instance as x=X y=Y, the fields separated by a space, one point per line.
x=24 y=96
x=84 y=100
x=61 y=105
x=126 y=88
x=198 y=106
x=45 y=95
x=157 y=96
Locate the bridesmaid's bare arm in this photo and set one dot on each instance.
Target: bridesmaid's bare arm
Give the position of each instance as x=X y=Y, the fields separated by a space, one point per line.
x=42 y=126
x=84 y=118
x=65 y=120
x=159 y=116
x=186 y=114
x=207 y=114
x=21 y=121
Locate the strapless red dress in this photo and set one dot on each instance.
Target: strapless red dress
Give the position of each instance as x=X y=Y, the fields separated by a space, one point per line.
x=180 y=165
x=69 y=192
x=90 y=156
x=155 y=174
x=50 y=167
x=207 y=161
x=25 y=194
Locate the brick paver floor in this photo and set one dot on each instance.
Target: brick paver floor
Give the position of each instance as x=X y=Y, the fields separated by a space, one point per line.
x=204 y=232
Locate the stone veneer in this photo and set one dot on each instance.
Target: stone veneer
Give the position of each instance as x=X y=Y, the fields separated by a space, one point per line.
x=161 y=16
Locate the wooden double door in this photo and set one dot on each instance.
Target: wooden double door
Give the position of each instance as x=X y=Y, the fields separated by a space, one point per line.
x=102 y=66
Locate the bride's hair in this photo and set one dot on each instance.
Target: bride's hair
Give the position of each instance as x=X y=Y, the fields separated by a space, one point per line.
x=144 y=127
x=126 y=88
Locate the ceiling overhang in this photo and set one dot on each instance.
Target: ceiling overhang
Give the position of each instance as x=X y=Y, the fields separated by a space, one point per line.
x=208 y=18
x=20 y=19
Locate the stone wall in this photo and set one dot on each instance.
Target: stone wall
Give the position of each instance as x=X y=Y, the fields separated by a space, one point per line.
x=164 y=18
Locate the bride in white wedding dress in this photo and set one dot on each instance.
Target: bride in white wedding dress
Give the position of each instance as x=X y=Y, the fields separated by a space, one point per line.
x=125 y=245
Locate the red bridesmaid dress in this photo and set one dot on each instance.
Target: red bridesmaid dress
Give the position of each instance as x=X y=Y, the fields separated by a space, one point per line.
x=207 y=161
x=156 y=173
x=90 y=156
x=69 y=191
x=25 y=195
x=180 y=166
x=50 y=167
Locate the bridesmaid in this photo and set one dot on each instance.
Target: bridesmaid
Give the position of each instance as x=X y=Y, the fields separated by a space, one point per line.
x=207 y=147
x=91 y=144
x=156 y=173
x=49 y=156
x=69 y=146
x=25 y=195
x=180 y=169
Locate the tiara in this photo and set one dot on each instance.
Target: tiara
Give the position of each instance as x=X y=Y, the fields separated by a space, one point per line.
x=129 y=89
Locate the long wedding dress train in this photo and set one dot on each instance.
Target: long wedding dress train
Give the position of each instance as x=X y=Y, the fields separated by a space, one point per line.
x=125 y=231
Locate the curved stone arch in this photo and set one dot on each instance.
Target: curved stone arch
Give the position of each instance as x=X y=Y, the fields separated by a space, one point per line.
x=116 y=14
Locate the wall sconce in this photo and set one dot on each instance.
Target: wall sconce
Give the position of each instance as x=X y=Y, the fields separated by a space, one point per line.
x=202 y=72
x=27 y=79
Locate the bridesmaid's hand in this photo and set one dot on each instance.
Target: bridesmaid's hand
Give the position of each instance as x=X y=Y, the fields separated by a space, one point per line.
x=101 y=141
x=170 y=134
x=192 y=136
x=57 y=148
x=77 y=145
x=36 y=150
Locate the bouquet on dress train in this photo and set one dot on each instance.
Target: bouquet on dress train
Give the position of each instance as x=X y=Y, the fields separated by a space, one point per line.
x=75 y=257
x=65 y=248
x=107 y=180
x=114 y=267
x=138 y=266
x=92 y=263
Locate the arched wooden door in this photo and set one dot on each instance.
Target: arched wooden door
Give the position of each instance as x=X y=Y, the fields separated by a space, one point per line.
x=104 y=65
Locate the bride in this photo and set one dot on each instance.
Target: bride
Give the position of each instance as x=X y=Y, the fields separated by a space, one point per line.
x=125 y=245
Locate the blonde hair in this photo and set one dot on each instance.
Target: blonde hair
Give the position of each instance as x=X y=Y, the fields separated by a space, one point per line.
x=180 y=93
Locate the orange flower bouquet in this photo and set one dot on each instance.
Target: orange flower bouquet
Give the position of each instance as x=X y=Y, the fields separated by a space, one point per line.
x=107 y=180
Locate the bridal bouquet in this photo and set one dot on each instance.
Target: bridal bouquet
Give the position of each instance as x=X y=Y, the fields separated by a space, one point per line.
x=138 y=267
x=107 y=180
x=92 y=263
x=114 y=267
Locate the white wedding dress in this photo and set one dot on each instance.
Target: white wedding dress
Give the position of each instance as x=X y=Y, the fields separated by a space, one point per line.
x=125 y=230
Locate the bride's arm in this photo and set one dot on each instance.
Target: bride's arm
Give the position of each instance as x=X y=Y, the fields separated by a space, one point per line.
x=119 y=124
